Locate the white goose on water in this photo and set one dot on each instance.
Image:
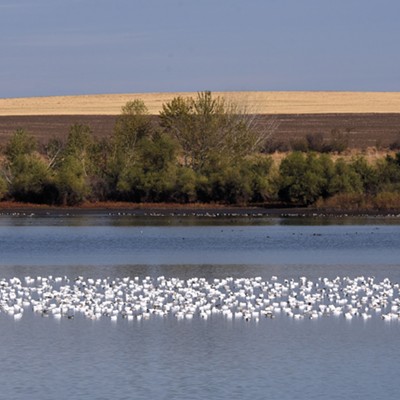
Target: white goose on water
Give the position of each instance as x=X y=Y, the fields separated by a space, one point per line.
x=242 y=298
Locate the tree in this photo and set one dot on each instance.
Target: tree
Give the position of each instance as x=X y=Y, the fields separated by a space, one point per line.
x=368 y=175
x=75 y=167
x=71 y=182
x=388 y=172
x=25 y=171
x=153 y=176
x=209 y=129
x=177 y=120
x=20 y=144
x=131 y=127
x=30 y=179
x=186 y=185
x=242 y=182
x=345 y=179
x=79 y=145
x=303 y=178
x=53 y=150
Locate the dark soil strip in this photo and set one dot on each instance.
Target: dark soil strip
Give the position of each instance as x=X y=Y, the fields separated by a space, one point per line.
x=364 y=130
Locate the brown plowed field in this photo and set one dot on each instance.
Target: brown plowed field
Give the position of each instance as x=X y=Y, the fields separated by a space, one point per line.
x=365 y=130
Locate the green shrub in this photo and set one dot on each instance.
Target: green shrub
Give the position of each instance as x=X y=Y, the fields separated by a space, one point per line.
x=345 y=179
x=368 y=175
x=302 y=179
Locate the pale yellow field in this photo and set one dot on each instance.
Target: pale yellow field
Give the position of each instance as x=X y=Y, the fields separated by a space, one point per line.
x=254 y=102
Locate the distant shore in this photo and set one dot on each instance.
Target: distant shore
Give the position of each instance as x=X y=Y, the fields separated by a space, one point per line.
x=183 y=210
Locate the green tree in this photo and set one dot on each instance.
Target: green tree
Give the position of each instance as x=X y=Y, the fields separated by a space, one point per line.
x=80 y=143
x=261 y=168
x=25 y=171
x=186 y=185
x=71 y=181
x=345 y=179
x=303 y=178
x=242 y=182
x=20 y=144
x=388 y=171
x=131 y=127
x=30 y=179
x=75 y=168
x=368 y=175
x=153 y=176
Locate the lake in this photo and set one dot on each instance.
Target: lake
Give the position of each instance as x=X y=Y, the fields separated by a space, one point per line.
x=219 y=358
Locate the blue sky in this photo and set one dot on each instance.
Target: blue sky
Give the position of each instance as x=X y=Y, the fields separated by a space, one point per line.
x=62 y=47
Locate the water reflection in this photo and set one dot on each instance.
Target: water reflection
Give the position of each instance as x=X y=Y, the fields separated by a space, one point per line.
x=208 y=271
x=221 y=244
x=218 y=359
x=104 y=219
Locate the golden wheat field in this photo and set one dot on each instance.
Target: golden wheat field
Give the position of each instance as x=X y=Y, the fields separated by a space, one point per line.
x=253 y=102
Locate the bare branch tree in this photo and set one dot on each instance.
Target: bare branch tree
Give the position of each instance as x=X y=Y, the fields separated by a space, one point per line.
x=207 y=128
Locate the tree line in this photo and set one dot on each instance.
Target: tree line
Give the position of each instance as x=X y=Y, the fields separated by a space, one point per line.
x=201 y=150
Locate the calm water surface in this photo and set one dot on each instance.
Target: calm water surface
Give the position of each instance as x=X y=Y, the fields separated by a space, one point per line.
x=332 y=358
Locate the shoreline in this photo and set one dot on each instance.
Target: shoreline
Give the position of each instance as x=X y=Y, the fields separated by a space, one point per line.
x=185 y=210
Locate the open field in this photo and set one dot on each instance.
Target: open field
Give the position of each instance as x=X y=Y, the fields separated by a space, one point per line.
x=366 y=130
x=371 y=118
x=255 y=103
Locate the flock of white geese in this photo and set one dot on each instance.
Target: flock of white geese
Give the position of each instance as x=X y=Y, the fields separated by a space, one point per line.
x=244 y=298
